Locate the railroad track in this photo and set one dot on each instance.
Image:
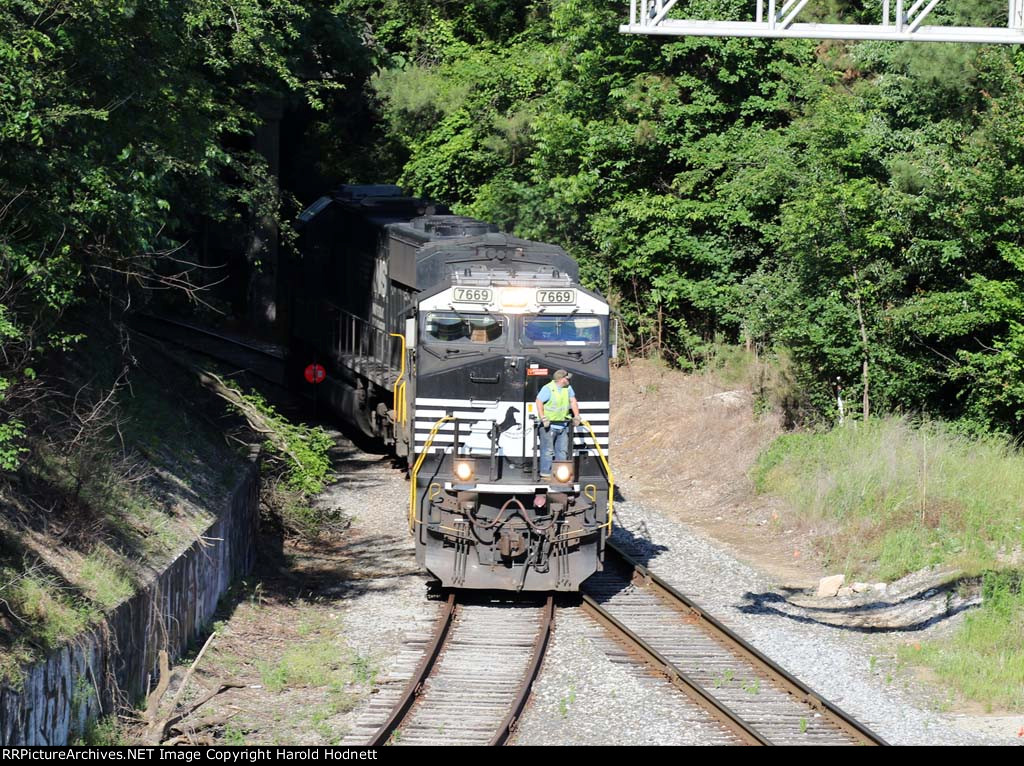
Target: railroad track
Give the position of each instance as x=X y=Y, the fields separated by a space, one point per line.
x=264 y=360
x=748 y=694
x=475 y=675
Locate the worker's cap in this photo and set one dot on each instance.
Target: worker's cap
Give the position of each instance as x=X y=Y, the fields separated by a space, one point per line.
x=559 y=374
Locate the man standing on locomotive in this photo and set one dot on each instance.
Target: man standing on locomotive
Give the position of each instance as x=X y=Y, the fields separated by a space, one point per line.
x=554 y=401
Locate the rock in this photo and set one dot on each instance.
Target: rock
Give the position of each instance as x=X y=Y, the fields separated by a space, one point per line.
x=730 y=399
x=829 y=586
x=860 y=587
x=844 y=592
x=880 y=587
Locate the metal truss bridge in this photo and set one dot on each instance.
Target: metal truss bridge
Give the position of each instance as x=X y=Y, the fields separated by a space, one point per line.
x=899 y=20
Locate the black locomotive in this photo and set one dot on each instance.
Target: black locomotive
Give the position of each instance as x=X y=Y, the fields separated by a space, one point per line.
x=436 y=333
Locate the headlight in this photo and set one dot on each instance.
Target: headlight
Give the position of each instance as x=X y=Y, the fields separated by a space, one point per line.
x=563 y=472
x=464 y=470
x=514 y=298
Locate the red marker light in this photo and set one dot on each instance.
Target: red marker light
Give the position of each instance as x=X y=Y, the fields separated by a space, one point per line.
x=315 y=373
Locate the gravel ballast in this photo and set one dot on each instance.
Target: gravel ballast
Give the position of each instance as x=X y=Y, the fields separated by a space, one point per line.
x=586 y=693
x=836 y=663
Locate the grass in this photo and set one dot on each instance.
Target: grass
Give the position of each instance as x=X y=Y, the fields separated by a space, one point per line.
x=889 y=497
x=118 y=498
x=103 y=732
x=233 y=736
x=984 y=661
x=313 y=663
x=48 y=615
x=364 y=670
x=56 y=615
x=104 y=578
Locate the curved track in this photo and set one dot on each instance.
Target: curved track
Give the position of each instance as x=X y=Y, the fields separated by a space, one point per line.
x=264 y=360
x=746 y=692
x=474 y=678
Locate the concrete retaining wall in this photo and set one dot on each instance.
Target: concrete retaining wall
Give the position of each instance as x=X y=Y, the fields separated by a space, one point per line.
x=115 y=661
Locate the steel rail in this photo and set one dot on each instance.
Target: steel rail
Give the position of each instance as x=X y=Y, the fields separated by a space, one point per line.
x=800 y=691
x=198 y=330
x=658 y=662
x=539 y=649
x=415 y=685
x=192 y=344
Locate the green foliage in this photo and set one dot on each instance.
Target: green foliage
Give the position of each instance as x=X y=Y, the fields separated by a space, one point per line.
x=855 y=207
x=11 y=450
x=315 y=663
x=103 y=732
x=305 y=450
x=48 y=612
x=124 y=127
x=104 y=579
x=888 y=497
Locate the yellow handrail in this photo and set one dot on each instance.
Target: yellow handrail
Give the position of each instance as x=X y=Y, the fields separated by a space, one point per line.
x=398 y=396
x=416 y=469
x=607 y=470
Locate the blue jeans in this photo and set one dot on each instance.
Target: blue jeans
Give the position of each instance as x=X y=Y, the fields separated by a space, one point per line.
x=554 y=440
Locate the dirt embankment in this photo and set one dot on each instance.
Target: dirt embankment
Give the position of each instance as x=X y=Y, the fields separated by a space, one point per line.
x=685 y=445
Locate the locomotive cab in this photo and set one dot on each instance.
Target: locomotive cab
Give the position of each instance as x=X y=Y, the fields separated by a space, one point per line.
x=489 y=338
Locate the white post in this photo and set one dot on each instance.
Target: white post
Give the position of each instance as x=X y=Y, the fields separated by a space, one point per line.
x=899 y=15
x=885 y=13
x=760 y=11
x=771 y=14
x=632 y=12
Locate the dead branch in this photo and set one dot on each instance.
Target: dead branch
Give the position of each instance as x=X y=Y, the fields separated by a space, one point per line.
x=191 y=670
x=155 y=697
x=156 y=732
x=172 y=722
x=255 y=420
x=197 y=727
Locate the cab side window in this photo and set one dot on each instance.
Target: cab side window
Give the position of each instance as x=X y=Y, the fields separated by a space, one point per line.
x=451 y=327
x=561 y=330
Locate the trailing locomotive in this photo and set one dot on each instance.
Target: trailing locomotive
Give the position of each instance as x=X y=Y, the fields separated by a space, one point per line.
x=436 y=333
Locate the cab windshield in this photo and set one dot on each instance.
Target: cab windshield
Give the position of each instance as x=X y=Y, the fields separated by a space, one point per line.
x=457 y=327
x=550 y=330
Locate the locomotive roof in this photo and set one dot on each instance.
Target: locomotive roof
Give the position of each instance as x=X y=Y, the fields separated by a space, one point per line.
x=430 y=247
x=449 y=257
x=377 y=204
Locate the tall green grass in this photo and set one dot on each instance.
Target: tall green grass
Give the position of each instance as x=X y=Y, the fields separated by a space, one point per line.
x=888 y=497
x=984 y=660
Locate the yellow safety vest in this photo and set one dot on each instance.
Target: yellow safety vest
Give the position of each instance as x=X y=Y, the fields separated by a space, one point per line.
x=556 y=409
